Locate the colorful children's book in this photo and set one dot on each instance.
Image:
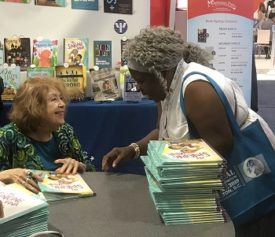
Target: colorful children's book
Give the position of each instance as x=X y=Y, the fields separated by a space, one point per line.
x=85 y=5
x=51 y=3
x=103 y=54
x=18 y=201
x=16 y=1
x=18 y=51
x=62 y=186
x=74 y=77
x=40 y=72
x=11 y=79
x=44 y=52
x=76 y=51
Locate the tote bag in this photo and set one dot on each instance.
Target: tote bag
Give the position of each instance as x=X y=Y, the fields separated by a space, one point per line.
x=249 y=184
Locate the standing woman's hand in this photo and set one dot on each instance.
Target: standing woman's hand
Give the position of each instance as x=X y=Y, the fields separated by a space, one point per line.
x=70 y=166
x=116 y=155
x=24 y=177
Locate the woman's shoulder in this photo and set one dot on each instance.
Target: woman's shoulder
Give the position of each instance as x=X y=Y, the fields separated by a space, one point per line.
x=65 y=129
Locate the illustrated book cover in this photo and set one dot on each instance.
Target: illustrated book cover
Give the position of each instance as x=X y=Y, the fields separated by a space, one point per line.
x=76 y=51
x=11 y=78
x=118 y=6
x=131 y=89
x=103 y=53
x=18 y=51
x=18 y=201
x=51 y=3
x=44 y=52
x=62 y=186
x=74 y=77
x=85 y=4
x=40 y=72
x=104 y=84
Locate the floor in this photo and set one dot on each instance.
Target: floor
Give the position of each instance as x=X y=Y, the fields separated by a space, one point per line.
x=265 y=70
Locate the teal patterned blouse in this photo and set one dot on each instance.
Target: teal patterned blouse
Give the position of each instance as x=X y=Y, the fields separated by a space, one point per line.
x=17 y=150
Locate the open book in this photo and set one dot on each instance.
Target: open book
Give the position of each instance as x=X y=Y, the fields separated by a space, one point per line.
x=62 y=186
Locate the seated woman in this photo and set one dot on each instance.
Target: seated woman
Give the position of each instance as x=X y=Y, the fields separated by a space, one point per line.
x=37 y=137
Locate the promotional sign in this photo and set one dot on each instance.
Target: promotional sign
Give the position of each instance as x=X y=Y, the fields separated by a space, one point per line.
x=225 y=28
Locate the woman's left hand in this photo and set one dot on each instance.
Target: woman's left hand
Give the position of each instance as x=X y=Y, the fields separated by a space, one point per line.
x=70 y=166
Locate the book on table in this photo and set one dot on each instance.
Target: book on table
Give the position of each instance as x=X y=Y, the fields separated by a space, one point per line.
x=57 y=186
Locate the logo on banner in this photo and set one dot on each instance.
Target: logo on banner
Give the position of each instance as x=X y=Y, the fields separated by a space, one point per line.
x=221 y=5
x=120 y=26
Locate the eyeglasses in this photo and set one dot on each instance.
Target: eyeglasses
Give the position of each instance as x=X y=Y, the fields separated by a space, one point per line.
x=48 y=233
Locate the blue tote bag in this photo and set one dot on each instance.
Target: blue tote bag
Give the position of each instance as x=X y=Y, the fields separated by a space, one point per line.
x=249 y=185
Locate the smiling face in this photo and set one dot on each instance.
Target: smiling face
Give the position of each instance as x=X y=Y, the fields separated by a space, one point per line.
x=149 y=85
x=55 y=109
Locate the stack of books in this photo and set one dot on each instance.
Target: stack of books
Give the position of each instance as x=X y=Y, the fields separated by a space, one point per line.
x=25 y=213
x=185 y=181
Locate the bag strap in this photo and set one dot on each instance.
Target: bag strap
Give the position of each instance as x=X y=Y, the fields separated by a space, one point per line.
x=233 y=123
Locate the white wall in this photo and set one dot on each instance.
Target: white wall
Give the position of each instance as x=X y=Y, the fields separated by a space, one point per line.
x=29 y=20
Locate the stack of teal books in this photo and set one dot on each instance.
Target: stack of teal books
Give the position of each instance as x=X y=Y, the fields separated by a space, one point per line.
x=185 y=181
x=24 y=213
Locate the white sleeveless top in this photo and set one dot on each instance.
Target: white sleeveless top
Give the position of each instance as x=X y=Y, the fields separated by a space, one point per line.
x=173 y=124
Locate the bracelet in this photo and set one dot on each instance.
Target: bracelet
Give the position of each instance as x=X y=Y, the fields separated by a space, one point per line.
x=136 y=148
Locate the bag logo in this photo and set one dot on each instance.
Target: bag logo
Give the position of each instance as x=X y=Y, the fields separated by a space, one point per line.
x=253 y=167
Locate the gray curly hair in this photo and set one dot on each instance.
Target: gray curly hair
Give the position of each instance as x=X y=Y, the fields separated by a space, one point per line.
x=158 y=49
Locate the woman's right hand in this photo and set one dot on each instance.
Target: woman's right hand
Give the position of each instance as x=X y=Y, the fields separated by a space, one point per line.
x=24 y=177
x=116 y=155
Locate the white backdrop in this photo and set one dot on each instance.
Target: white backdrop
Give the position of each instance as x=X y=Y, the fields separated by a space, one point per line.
x=32 y=21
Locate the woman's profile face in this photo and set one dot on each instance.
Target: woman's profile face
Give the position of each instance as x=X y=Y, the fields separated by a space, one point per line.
x=149 y=85
x=55 y=108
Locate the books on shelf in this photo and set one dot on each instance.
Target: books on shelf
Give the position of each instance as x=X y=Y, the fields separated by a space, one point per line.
x=103 y=53
x=44 y=52
x=62 y=186
x=40 y=72
x=25 y=213
x=76 y=51
x=75 y=79
x=17 y=51
x=185 y=180
x=11 y=79
x=104 y=84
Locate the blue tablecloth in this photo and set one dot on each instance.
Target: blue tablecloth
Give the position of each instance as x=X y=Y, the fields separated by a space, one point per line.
x=101 y=126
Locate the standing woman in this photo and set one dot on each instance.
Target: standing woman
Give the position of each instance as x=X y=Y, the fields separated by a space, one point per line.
x=155 y=60
x=37 y=137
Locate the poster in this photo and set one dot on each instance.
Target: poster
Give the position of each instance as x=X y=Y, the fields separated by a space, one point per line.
x=225 y=28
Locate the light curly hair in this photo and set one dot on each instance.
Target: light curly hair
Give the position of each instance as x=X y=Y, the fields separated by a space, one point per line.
x=159 y=49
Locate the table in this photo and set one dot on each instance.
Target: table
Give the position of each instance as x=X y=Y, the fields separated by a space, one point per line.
x=101 y=126
x=122 y=207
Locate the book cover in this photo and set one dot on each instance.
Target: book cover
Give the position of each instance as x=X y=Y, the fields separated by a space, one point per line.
x=44 y=52
x=123 y=43
x=76 y=51
x=185 y=151
x=51 y=3
x=1 y=53
x=18 y=51
x=103 y=54
x=11 y=79
x=18 y=201
x=118 y=6
x=85 y=4
x=61 y=186
x=16 y=1
x=104 y=84
x=131 y=89
x=40 y=72
x=74 y=77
